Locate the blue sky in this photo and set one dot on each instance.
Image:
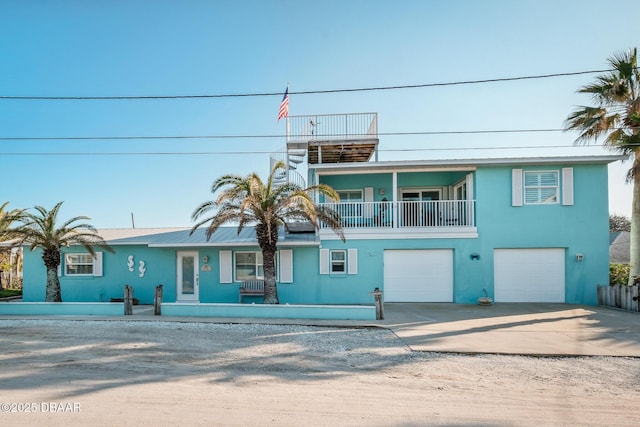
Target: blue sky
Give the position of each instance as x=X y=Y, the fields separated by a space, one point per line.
x=117 y=48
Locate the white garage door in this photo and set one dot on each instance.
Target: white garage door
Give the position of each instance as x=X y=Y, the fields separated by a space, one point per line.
x=418 y=275
x=529 y=275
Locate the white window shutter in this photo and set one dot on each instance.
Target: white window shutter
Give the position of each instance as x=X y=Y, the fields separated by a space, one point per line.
x=516 y=187
x=60 y=265
x=226 y=267
x=324 y=261
x=352 y=259
x=567 y=186
x=286 y=266
x=97 y=264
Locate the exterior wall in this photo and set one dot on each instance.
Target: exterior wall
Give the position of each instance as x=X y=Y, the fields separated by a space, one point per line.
x=580 y=228
x=160 y=269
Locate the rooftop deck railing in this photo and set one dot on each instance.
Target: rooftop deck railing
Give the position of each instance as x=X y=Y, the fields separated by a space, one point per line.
x=329 y=127
x=414 y=214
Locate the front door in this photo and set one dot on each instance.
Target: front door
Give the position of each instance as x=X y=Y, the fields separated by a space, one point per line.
x=187 y=278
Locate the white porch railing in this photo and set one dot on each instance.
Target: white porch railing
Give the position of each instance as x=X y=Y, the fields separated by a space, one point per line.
x=327 y=127
x=439 y=213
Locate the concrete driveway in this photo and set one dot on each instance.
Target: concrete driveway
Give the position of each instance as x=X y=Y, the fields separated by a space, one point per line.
x=535 y=329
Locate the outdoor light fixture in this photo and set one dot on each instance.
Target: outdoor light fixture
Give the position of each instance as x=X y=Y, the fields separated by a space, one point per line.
x=381 y=191
x=579 y=257
x=205 y=259
x=475 y=256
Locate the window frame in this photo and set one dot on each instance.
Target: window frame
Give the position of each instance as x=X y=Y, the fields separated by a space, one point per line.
x=69 y=265
x=259 y=266
x=336 y=262
x=539 y=188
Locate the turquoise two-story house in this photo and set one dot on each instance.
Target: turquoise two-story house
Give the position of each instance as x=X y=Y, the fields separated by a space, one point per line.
x=513 y=229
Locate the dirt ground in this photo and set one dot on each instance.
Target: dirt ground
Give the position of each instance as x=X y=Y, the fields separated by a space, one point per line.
x=98 y=373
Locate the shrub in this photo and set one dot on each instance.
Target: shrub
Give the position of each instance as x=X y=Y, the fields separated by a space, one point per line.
x=619 y=274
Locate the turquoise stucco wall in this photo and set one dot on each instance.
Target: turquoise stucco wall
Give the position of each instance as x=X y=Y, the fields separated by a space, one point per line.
x=581 y=228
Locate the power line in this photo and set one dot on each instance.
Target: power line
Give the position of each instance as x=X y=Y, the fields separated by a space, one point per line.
x=310 y=137
x=264 y=136
x=218 y=153
x=310 y=92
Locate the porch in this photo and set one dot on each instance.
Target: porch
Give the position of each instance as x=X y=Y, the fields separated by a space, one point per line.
x=425 y=214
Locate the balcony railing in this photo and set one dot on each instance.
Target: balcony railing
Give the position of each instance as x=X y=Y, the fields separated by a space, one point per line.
x=330 y=127
x=414 y=214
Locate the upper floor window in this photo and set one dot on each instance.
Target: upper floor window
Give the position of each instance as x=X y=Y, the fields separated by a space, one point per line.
x=541 y=187
x=80 y=264
x=350 y=196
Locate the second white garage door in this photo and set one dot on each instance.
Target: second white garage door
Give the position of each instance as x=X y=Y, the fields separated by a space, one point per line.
x=418 y=275
x=529 y=275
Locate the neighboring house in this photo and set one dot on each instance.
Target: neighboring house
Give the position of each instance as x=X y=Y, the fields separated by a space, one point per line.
x=519 y=229
x=619 y=247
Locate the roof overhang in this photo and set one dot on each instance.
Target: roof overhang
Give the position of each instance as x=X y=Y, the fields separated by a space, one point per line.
x=458 y=164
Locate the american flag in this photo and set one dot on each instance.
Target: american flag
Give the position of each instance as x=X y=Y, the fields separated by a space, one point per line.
x=284 y=105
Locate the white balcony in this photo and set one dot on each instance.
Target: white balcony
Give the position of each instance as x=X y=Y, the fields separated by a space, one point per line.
x=440 y=215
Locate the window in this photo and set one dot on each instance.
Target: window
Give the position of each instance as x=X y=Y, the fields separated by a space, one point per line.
x=350 y=196
x=249 y=266
x=338 y=262
x=79 y=264
x=541 y=187
x=350 y=207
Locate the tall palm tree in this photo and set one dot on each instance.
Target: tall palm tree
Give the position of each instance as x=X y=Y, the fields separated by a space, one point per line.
x=616 y=117
x=267 y=206
x=39 y=230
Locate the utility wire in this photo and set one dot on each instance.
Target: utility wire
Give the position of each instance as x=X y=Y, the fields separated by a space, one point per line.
x=310 y=137
x=310 y=92
x=218 y=153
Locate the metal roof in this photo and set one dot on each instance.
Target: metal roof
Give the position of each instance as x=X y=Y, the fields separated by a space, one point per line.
x=179 y=237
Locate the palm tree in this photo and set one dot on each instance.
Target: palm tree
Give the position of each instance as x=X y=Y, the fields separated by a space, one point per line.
x=7 y=219
x=39 y=230
x=249 y=201
x=616 y=117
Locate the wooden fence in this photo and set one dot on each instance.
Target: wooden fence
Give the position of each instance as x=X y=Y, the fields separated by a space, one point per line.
x=619 y=296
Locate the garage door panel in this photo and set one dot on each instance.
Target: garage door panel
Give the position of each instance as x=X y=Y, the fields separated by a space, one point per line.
x=418 y=275
x=529 y=275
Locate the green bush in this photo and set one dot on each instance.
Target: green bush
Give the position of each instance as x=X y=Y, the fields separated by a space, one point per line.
x=618 y=274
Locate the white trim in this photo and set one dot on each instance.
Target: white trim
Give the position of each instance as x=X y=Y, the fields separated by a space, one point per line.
x=457 y=164
x=394 y=233
x=228 y=244
x=226 y=267
x=567 y=186
x=538 y=187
